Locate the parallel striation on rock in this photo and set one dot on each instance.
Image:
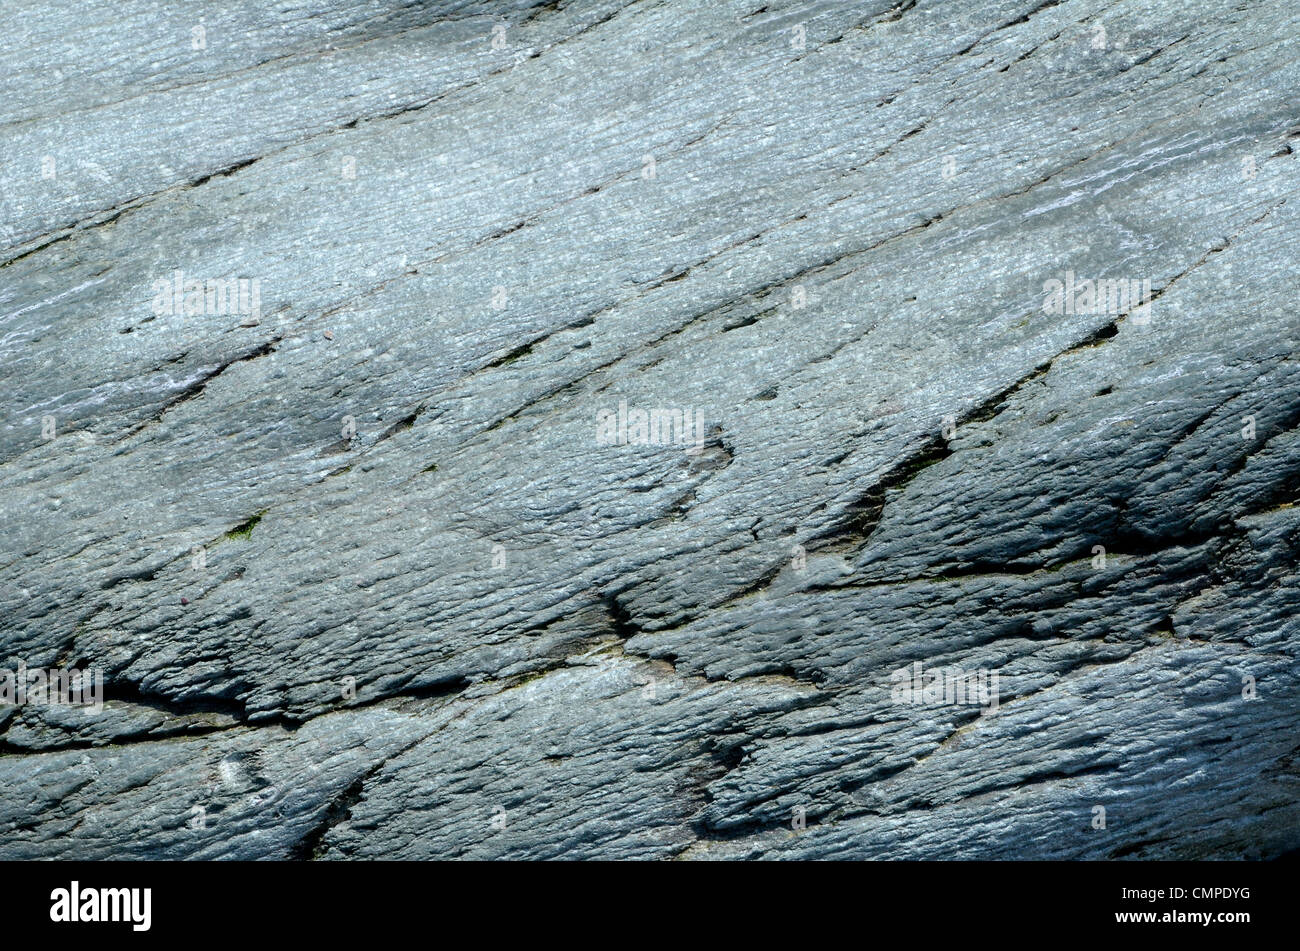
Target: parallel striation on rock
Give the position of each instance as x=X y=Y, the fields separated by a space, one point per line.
x=362 y=579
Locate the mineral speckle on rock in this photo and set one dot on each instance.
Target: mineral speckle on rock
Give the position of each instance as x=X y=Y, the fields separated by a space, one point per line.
x=607 y=429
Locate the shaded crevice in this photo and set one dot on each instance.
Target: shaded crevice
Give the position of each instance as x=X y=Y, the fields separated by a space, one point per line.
x=197 y=387
x=403 y=424
x=864 y=513
x=129 y=691
x=312 y=845
x=1046 y=4
x=245 y=528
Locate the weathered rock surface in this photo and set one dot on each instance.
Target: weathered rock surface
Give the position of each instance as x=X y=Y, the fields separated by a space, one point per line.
x=364 y=582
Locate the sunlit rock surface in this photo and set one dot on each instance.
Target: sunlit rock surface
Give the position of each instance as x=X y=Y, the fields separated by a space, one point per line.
x=976 y=319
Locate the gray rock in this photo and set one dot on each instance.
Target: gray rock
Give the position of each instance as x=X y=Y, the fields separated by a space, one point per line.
x=363 y=574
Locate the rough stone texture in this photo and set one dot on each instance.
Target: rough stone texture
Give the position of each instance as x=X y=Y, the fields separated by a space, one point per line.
x=468 y=249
